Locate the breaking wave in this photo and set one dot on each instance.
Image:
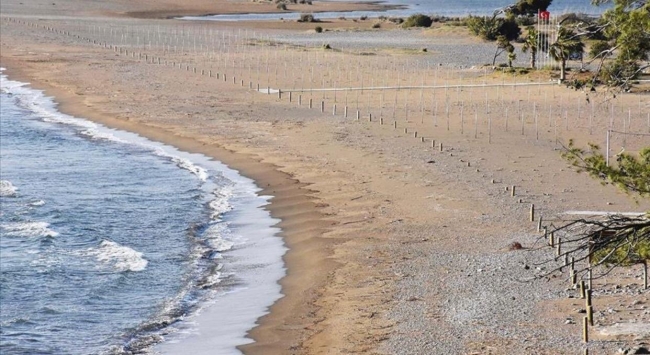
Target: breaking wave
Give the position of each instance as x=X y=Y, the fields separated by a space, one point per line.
x=7 y=189
x=28 y=229
x=122 y=258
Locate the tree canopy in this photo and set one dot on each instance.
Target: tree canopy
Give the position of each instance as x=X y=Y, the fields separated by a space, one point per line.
x=528 y=7
x=615 y=239
x=624 y=47
x=630 y=173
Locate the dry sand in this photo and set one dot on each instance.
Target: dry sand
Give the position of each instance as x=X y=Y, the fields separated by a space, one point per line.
x=394 y=247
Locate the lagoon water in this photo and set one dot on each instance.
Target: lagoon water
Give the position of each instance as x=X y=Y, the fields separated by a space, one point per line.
x=428 y=7
x=110 y=243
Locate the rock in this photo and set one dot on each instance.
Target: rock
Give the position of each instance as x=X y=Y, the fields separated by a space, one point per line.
x=639 y=350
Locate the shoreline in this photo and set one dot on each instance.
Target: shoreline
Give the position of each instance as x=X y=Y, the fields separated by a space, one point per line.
x=285 y=189
x=411 y=239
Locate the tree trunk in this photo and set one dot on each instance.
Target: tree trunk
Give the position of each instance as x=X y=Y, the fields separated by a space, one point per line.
x=562 y=69
x=532 y=59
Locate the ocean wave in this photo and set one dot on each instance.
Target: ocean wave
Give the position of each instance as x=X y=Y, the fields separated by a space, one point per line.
x=215 y=236
x=221 y=202
x=37 y=203
x=7 y=189
x=28 y=229
x=45 y=107
x=182 y=163
x=96 y=134
x=120 y=257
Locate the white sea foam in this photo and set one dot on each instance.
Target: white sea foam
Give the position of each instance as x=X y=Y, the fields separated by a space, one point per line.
x=45 y=107
x=182 y=163
x=221 y=203
x=7 y=189
x=37 y=203
x=120 y=257
x=27 y=229
x=216 y=235
x=96 y=134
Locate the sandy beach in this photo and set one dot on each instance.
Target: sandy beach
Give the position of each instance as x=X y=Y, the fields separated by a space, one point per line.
x=397 y=245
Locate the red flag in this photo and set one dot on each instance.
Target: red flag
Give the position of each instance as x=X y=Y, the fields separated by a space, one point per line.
x=544 y=15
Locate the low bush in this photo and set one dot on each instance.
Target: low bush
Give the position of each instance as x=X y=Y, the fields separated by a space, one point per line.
x=307 y=18
x=417 y=20
x=318 y=29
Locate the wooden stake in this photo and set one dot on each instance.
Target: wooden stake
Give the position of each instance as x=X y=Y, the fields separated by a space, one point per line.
x=645 y=275
x=532 y=212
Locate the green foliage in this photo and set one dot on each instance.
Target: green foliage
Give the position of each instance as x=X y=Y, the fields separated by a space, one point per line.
x=630 y=173
x=484 y=27
x=509 y=28
x=490 y=28
x=629 y=29
x=417 y=20
x=618 y=73
x=318 y=29
x=529 y=7
x=600 y=49
x=626 y=28
x=531 y=42
x=567 y=42
x=613 y=240
x=625 y=255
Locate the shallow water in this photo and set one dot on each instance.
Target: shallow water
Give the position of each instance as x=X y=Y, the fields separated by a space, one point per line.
x=109 y=241
x=429 y=7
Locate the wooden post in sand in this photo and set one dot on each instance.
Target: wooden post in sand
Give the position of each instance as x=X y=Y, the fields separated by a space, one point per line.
x=512 y=191
x=322 y=106
x=532 y=213
x=334 y=110
x=310 y=103
x=539 y=224
x=585 y=330
x=345 y=111
x=441 y=146
x=645 y=275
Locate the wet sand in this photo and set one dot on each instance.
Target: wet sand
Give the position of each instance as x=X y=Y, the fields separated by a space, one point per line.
x=385 y=234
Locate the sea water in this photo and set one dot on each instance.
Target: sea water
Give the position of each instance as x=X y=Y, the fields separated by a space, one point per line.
x=110 y=243
x=427 y=7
